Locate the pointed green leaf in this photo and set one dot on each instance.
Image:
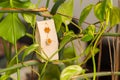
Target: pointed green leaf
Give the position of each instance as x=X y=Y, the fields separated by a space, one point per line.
x=85 y=13
x=29 y=50
x=66 y=9
x=58 y=21
x=52 y=71
x=4 y=77
x=16 y=3
x=69 y=36
x=24 y=0
x=65 y=40
x=99 y=11
x=71 y=71
x=29 y=17
x=68 y=52
x=11 y=28
x=87 y=37
x=56 y=6
x=4 y=3
x=114 y=16
x=101 y=8
x=1 y=15
x=88 y=33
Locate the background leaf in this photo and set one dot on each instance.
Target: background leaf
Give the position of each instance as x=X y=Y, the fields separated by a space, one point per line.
x=16 y=3
x=56 y=6
x=70 y=71
x=88 y=33
x=29 y=50
x=29 y=17
x=4 y=3
x=66 y=9
x=68 y=37
x=99 y=12
x=58 y=21
x=11 y=28
x=52 y=72
x=1 y=15
x=85 y=13
x=114 y=16
x=101 y=8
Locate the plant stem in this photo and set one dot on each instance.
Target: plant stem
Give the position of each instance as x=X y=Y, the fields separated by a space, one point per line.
x=47 y=3
x=11 y=3
x=15 y=45
x=20 y=65
x=98 y=74
x=6 y=51
x=43 y=70
x=95 y=44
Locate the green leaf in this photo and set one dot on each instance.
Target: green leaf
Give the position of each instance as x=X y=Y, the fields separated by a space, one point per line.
x=99 y=12
x=88 y=53
x=30 y=49
x=87 y=37
x=101 y=8
x=55 y=0
x=4 y=3
x=4 y=77
x=16 y=3
x=52 y=71
x=68 y=52
x=24 y=0
x=88 y=33
x=65 y=40
x=56 y=5
x=68 y=37
x=58 y=21
x=11 y=28
x=114 y=16
x=66 y=9
x=1 y=15
x=29 y=17
x=85 y=13
x=70 y=71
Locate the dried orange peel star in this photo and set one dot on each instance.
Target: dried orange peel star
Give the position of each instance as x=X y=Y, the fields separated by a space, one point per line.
x=48 y=41
x=47 y=29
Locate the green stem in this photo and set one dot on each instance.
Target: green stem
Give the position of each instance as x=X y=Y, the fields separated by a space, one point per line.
x=80 y=28
x=77 y=61
x=98 y=74
x=10 y=51
x=37 y=5
x=93 y=50
x=6 y=51
x=20 y=65
x=11 y=3
x=15 y=45
x=47 y=3
x=43 y=70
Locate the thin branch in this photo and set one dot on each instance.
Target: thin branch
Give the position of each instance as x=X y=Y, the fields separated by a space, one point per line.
x=5 y=10
x=98 y=74
x=104 y=34
x=73 y=18
x=36 y=11
x=112 y=34
x=20 y=65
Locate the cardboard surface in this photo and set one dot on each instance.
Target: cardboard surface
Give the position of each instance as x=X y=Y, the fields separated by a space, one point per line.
x=46 y=37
